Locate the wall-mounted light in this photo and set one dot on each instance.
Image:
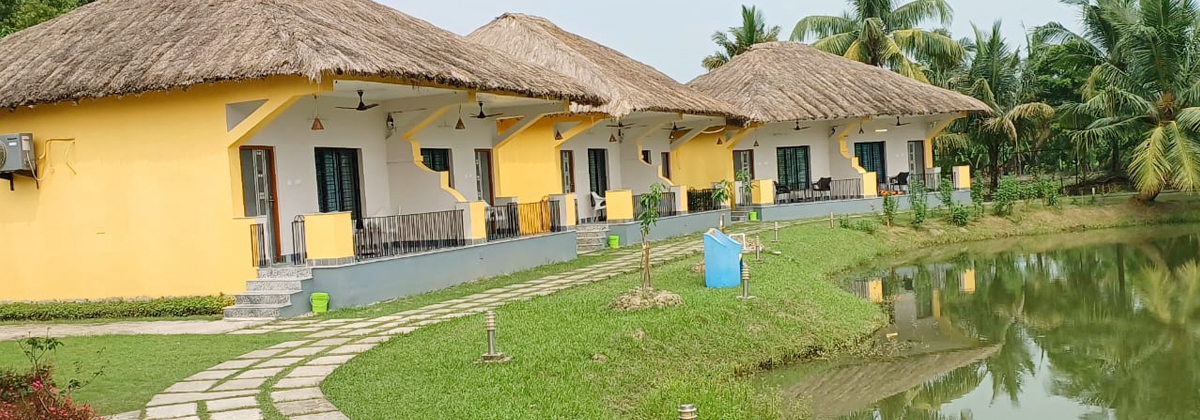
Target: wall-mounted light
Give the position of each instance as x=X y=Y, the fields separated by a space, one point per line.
x=460 y=125
x=391 y=123
x=881 y=130
x=612 y=138
x=558 y=135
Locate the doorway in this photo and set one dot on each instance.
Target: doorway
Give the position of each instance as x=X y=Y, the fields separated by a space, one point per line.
x=259 y=197
x=916 y=157
x=598 y=171
x=484 y=183
x=743 y=160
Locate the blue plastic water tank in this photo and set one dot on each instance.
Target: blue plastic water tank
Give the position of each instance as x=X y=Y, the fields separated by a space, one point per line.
x=722 y=260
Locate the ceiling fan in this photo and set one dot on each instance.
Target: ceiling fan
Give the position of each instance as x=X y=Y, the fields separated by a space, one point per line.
x=798 y=127
x=483 y=116
x=898 y=124
x=675 y=128
x=622 y=126
x=362 y=106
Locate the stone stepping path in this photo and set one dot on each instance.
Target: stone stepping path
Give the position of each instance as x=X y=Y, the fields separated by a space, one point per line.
x=287 y=375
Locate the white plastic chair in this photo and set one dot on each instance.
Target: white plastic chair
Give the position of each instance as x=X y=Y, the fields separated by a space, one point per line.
x=598 y=204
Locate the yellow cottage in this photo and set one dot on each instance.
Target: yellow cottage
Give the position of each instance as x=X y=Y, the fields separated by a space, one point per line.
x=179 y=144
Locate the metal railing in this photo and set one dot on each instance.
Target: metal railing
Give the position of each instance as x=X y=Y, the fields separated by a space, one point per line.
x=831 y=190
x=259 y=249
x=512 y=220
x=703 y=200
x=389 y=236
x=930 y=180
x=666 y=207
x=299 y=254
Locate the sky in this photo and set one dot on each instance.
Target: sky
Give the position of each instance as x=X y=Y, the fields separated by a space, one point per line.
x=674 y=35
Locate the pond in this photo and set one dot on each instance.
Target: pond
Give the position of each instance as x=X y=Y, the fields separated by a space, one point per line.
x=1103 y=325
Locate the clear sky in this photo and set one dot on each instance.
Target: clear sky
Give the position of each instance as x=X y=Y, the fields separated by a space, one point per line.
x=673 y=35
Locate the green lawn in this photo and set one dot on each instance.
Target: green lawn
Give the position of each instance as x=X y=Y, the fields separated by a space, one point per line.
x=649 y=361
x=137 y=367
x=576 y=359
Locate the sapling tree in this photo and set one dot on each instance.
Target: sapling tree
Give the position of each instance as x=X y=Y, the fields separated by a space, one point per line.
x=648 y=219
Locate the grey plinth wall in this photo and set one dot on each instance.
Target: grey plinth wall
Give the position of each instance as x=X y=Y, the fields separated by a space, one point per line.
x=782 y=212
x=669 y=227
x=374 y=281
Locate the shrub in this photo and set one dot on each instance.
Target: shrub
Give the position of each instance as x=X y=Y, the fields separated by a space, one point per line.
x=889 y=209
x=1007 y=193
x=33 y=395
x=959 y=216
x=1027 y=191
x=918 y=199
x=1048 y=192
x=861 y=225
x=115 y=308
x=946 y=192
x=978 y=195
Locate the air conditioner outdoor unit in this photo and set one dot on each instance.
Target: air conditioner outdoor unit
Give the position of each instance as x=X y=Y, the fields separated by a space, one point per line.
x=16 y=153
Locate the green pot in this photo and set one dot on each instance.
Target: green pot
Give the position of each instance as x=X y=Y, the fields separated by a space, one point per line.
x=320 y=302
x=753 y=216
x=614 y=241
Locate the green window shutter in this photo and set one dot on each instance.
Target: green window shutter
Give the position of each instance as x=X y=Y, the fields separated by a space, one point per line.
x=793 y=166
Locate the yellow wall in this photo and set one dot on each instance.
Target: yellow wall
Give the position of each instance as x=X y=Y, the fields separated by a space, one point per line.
x=148 y=210
x=763 y=192
x=962 y=176
x=477 y=212
x=527 y=165
x=619 y=205
x=329 y=235
x=701 y=162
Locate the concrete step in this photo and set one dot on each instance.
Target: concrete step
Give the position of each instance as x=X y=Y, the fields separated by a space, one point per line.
x=264 y=298
x=285 y=272
x=275 y=285
x=254 y=311
x=592 y=234
x=584 y=249
x=598 y=240
x=591 y=228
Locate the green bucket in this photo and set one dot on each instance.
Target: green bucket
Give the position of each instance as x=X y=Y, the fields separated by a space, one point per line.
x=320 y=302
x=753 y=216
x=614 y=241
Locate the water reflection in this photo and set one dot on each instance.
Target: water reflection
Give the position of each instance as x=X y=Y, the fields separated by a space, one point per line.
x=1097 y=332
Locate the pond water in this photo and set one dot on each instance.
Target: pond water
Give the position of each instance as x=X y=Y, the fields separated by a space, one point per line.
x=1104 y=325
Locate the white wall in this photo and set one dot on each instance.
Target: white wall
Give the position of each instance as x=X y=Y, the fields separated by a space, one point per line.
x=442 y=135
x=596 y=138
x=295 y=142
x=773 y=136
x=896 y=138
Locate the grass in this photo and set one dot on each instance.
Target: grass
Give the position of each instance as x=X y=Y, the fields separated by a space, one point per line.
x=574 y=358
x=136 y=368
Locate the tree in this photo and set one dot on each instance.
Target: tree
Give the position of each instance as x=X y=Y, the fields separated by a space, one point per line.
x=648 y=218
x=1154 y=99
x=992 y=76
x=1068 y=52
x=739 y=39
x=16 y=15
x=879 y=33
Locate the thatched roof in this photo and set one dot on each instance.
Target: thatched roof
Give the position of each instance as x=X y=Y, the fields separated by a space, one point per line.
x=788 y=81
x=629 y=85
x=115 y=47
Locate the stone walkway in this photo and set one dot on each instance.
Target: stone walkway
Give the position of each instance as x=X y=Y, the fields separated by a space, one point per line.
x=286 y=376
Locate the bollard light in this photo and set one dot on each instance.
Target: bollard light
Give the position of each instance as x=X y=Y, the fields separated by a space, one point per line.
x=758 y=248
x=687 y=412
x=776 y=232
x=745 y=283
x=492 y=356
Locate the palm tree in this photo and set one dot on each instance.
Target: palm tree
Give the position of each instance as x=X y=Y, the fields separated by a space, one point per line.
x=991 y=75
x=1097 y=44
x=880 y=33
x=1154 y=99
x=754 y=30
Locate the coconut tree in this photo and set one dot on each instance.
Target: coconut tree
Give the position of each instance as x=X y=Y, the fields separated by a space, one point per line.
x=1082 y=51
x=885 y=34
x=1155 y=99
x=991 y=74
x=739 y=39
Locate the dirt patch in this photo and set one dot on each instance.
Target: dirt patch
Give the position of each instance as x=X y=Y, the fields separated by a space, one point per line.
x=639 y=299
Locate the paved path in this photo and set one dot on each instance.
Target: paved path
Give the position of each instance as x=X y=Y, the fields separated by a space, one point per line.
x=16 y=332
x=287 y=375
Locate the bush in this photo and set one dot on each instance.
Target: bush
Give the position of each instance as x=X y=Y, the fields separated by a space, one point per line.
x=115 y=308
x=889 y=209
x=1048 y=192
x=946 y=192
x=959 y=216
x=861 y=225
x=918 y=199
x=1007 y=193
x=33 y=395
x=978 y=195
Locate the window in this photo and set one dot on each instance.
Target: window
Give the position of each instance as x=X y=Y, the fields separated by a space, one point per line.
x=743 y=160
x=567 y=165
x=338 y=187
x=916 y=157
x=666 y=165
x=870 y=157
x=438 y=160
x=646 y=157
x=598 y=171
x=794 y=167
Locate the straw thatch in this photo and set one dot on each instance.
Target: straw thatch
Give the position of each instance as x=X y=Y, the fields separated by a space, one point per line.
x=789 y=81
x=115 y=47
x=629 y=85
